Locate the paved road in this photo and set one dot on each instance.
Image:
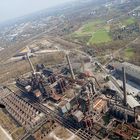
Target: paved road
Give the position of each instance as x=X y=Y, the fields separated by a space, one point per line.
x=4 y=135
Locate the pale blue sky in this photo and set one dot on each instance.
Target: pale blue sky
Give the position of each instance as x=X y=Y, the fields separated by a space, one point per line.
x=14 y=8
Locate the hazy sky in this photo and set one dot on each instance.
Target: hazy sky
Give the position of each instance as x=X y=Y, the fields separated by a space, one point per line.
x=14 y=8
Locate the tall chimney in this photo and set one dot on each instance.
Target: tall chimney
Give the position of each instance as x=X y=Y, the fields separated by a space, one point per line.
x=124 y=86
x=70 y=67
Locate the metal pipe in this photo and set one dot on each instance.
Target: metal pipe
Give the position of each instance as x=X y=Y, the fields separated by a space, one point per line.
x=32 y=67
x=93 y=87
x=95 y=80
x=124 y=86
x=70 y=67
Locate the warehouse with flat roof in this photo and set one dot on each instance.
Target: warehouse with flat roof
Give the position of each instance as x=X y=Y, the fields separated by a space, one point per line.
x=132 y=71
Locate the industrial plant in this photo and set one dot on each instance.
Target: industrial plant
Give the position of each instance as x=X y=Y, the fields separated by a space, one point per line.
x=70 y=72
x=79 y=102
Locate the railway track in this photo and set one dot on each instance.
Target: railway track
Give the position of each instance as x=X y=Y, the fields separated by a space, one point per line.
x=82 y=133
x=25 y=114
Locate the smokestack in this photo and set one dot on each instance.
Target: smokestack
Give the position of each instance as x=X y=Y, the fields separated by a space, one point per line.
x=70 y=67
x=124 y=86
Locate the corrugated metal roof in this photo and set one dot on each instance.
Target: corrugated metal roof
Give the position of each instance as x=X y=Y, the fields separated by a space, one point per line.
x=131 y=101
x=130 y=69
x=131 y=66
x=79 y=115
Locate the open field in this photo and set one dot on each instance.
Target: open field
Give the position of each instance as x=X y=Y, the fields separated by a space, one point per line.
x=15 y=69
x=129 y=53
x=9 y=125
x=97 y=31
x=128 y=21
x=100 y=36
x=91 y=27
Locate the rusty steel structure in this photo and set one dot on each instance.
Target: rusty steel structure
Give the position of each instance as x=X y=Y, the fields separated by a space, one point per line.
x=74 y=102
x=25 y=114
x=127 y=131
x=56 y=85
x=84 y=134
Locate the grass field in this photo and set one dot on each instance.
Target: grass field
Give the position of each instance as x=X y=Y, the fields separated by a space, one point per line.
x=129 y=53
x=128 y=21
x=100 y=36
x=91 y=26
x=96 y=30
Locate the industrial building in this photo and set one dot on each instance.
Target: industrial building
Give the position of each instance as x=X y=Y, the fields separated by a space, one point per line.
x=73 y=100
x=132 y=71
x=100 y=105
